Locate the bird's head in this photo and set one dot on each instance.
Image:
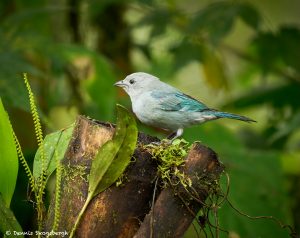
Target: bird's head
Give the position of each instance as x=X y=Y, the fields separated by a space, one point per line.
x=137 y=83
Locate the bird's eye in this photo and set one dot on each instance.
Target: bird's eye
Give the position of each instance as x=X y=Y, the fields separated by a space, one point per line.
x=131 y=81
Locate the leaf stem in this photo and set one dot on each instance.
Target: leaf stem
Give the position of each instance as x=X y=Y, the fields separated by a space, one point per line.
x=87 y=201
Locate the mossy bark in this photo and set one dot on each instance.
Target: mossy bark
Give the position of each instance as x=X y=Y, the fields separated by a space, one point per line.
x=121 y=211
x=176 y=207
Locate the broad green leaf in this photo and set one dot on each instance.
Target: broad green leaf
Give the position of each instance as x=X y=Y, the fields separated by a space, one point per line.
x=216 y=20
x=159 y=19
x=213 y=69
x=289 y=47
x=123 y=156
x=104 y=159
x=9 y=162
x=12 y=89
x=57 y=141
x=108 y=152
x=8 y=223
x=278 y=48
x=185 y=52
x=249 y=15
x=267 y=50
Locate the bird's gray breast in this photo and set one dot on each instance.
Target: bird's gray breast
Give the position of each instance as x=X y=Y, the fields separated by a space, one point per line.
x=146 y=109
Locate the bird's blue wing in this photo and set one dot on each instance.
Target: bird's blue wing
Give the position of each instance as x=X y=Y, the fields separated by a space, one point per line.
x=177 y=101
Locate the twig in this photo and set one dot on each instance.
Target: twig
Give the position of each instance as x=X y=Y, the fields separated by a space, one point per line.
x=282 y=225
x=227 y=190
x=152 y=208
x=215 y=210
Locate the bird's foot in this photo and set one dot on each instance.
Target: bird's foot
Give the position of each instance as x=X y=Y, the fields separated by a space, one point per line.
x=156 y=143
x=172 y=135
x=162 y=142
x=170 y=138
x=175 y=135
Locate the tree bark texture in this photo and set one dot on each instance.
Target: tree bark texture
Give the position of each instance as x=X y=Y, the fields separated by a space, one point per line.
x=125 y=211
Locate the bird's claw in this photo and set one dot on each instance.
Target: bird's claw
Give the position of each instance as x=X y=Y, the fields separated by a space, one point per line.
x=162 y=142
x=155 y=143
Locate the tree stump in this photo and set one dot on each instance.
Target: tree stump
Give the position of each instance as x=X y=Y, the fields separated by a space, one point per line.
x=125 y=211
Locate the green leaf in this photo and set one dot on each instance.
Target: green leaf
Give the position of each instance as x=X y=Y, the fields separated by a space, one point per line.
x=9 y=162
x=278 y=48
x=249 y=15
x=289 y=47
x=101 y=166
x=8 y=222
x=57 y=141
x=159 y=19
x=216 y=20
x=12 y=90
x=185 y=52
x=107 y=166
x=123 y=156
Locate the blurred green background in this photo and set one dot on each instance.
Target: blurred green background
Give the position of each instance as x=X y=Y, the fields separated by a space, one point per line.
x=237 y=56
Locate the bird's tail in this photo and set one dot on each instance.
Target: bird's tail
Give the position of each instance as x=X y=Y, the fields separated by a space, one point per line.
x=232 y=116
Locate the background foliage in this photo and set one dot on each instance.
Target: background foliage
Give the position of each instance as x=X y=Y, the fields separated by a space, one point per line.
x=237 y=56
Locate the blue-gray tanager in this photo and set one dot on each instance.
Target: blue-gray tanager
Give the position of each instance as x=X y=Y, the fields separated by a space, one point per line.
x=160 y=105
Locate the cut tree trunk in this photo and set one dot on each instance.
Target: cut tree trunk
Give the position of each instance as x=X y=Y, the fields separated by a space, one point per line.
x=125 y=210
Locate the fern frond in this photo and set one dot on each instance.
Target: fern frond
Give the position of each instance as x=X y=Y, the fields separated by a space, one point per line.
x=24 y=162
x=57 y=194
x=38 y=130
x=40 y=184
x=34 y=112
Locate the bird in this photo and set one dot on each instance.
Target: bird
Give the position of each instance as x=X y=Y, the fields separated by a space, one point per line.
x=161 y=105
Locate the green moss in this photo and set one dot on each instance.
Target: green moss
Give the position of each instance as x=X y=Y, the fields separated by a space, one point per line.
x=115 y=217
x=171 y=157
x=122 y=180
x=73 y=172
